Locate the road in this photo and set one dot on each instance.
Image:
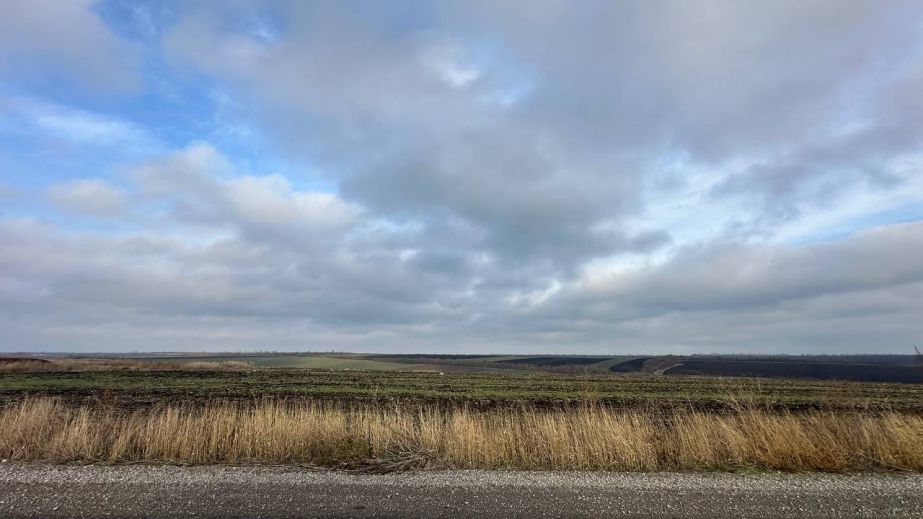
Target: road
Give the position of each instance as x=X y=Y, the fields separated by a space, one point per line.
x=254 y=492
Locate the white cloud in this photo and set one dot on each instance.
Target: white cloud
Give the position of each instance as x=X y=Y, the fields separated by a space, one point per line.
x=201 y=185
x=51 y=121
x=271 y=200
x=88 y=197
x=448 y=63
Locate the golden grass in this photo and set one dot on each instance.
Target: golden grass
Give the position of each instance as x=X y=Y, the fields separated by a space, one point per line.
x=590 y=438
x=71 y=365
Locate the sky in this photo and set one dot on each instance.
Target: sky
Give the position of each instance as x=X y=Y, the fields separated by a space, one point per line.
x=524 y=176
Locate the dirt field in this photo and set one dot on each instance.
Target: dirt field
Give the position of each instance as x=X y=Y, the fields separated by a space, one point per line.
x=477 y=390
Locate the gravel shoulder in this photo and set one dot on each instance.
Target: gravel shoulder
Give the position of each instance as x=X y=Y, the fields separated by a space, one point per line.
x=39 y=490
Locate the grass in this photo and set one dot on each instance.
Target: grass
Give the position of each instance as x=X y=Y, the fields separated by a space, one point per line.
x=394 y=437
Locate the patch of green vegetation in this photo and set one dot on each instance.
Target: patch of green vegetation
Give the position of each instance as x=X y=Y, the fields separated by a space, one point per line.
x=308 y=362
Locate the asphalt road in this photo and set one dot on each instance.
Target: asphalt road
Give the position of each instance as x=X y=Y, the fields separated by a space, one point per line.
x=253 y=492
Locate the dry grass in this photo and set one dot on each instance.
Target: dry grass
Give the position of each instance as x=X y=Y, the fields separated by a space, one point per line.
x=25 y=365
x=590 y=438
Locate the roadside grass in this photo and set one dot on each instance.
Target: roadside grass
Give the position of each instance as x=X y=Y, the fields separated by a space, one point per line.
x=396 y=437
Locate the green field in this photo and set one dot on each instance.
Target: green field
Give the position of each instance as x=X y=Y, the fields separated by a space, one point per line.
x=459 y=388
x=351 y=361
x=310 y=362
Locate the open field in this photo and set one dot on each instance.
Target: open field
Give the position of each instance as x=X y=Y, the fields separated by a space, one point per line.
x=470 y=412
x=392 y=438
x=337 y=361
x=315 y=362
x=58 y=365
x=220 y=363
x=478 y=390
x=859 y=368
x=228 y=411
x=813 y=370
x=862 y=368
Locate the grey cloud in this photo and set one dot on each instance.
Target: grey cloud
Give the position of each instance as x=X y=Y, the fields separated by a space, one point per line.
x=721 y=82
x=431 y=151
x=248 y=248
x=115 y=279
x=862 y=294
x=68 y=37
x=611 y=88
x=732 y=277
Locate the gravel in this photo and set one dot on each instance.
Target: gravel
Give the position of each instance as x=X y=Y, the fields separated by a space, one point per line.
x=38 y=490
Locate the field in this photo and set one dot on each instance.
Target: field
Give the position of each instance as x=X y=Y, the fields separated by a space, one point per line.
x=314 y=362
x=334 y=361
x=390 y=413
x=481 y=390
x=61 y=365
x=861 y=368
x=804 y=369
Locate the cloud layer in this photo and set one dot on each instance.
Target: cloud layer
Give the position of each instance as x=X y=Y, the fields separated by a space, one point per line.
x=466 y=176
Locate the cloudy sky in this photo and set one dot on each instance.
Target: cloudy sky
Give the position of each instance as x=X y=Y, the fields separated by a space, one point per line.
x=470 y=176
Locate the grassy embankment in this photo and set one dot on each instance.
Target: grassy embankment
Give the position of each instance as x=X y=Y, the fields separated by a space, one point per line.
x=591 y=437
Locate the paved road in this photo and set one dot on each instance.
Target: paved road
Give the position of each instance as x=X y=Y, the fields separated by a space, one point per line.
x=253 y=492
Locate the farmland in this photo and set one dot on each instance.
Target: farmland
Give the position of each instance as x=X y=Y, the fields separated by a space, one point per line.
x=395 y=412
x=859 y=368
x=312 y=362
x=481 y=390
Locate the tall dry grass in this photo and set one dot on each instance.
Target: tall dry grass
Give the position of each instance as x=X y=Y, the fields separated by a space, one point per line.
x=590 y=438
x=74 y=365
